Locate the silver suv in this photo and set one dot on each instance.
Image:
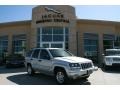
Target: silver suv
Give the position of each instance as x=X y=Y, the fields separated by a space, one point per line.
x=59 y=63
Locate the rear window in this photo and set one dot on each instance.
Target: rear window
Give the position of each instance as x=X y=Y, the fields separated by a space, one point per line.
x=36 y=53
x=29 y=53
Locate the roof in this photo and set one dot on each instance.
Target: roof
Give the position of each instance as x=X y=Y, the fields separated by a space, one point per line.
x=16 y=23
x=78 y=21
x=98 y=22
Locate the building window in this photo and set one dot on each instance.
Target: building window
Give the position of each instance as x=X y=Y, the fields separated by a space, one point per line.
x=58 y=38
x=91 y=46
x=46 y=38
x=66 y=38
x=117 y=42
x=19 y=44
x=58 y=30
x=52 y=37
x=108 y=41
x=3 y=44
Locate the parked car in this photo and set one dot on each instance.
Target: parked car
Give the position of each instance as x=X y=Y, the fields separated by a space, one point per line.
x=111 y=58
x=59 y=63
x=15 y=60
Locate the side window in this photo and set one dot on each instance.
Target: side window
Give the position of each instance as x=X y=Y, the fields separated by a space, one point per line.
x=35 y=53
x=29 y=53
x=44 y=55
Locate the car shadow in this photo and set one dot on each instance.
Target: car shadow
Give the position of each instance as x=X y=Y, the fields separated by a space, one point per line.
x=41 y=79
x=79 y=82
x=4 y=70
x=113 y=69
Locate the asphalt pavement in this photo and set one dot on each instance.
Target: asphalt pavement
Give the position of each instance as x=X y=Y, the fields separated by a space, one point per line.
x=19 y=76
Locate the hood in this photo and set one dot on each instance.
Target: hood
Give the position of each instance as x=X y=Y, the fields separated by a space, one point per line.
x=112 y=56
x=73 y=59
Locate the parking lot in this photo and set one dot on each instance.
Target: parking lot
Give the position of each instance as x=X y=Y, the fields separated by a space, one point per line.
x=18 y=76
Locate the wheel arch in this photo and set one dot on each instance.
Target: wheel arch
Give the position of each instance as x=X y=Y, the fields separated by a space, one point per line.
x=56 y=68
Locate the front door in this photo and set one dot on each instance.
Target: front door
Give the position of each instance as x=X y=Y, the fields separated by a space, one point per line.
x=45 y=62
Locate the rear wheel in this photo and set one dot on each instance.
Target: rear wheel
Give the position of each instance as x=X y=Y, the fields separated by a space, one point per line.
x=61 y=76
x=30 y=70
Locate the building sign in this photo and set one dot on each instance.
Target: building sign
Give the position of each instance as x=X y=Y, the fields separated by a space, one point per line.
x=52 y=10
x=55 y=17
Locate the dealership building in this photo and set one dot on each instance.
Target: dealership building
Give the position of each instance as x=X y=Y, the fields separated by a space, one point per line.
x=56 y=26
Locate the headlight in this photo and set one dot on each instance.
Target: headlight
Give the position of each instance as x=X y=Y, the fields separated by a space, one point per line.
x=74 y=65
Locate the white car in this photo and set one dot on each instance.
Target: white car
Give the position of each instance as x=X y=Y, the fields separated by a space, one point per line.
x=111 y=57
x=59 y=63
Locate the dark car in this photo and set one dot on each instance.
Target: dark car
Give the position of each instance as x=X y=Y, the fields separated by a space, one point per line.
x=15 y=60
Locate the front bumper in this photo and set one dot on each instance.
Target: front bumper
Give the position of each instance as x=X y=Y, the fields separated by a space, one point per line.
x=74 y=74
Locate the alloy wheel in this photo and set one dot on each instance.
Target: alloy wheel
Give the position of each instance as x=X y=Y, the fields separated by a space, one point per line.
x=60 y=77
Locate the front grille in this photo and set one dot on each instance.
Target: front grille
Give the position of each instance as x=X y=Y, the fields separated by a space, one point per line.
x=86 y=65
x=116 y=59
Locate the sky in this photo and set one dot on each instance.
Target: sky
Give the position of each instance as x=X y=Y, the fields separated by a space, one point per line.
x=92 y=12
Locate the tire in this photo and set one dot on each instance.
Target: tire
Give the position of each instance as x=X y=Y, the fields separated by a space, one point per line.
x=30 y=70
x=61 y=76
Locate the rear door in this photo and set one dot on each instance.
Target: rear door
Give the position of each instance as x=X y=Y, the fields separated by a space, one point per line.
x=34 y=59
x=28 y=57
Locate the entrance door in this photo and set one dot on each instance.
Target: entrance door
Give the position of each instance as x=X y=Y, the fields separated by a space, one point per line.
x=53 y=45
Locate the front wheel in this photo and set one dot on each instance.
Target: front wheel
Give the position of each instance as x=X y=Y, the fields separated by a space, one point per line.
x=61 y=77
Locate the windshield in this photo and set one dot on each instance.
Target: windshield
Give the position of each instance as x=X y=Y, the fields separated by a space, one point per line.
x=60 y=53
x=109 y=53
